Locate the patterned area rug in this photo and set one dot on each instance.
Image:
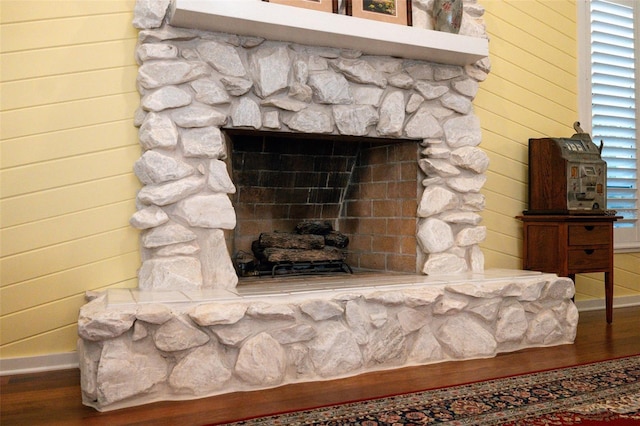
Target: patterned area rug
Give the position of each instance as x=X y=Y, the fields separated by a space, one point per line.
x=604 y=392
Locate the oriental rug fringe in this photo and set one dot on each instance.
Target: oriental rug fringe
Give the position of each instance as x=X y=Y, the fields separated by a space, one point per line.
x=600 y=393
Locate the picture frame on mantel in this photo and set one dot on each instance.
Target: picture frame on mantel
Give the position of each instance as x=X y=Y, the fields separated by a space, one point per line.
x=392 y=11
x=330 y=6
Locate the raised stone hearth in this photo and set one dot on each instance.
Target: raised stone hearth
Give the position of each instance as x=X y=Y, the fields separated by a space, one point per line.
x=139 y=347
x=190 y=330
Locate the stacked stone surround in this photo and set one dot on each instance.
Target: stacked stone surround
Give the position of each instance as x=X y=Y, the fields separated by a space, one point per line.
x=198 y=344
x=196 y=84
x=189 y=331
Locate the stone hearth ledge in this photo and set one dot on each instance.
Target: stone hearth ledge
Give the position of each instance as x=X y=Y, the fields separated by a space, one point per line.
x=137 y=346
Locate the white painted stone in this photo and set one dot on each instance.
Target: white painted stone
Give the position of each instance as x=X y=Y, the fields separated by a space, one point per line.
x=294 y=334
x=153 y=313
x=544 y=328
x=456 y=102
x=270 y=67
x=246 y=113
x=165 y=98
x=334 y=351
x=434 y=235
x=168 y=73
x=359 y=71
x=149 y=13
x=401 y=80
x=178 y=335
x=234 y=334
x=438 y=167
x=467 y=183
x=468 y=218
x=512 y=323
x=423 y=125
x=311 y=121
x=169 y=233
x=222 y=57
x=158 y=131
x=203 y=142
x=414 y=103
x=109 y=324
x=236 y=86
x=201 y=371
x=321 y=310
x=170 y=273
x=198 y=116
x=128 y=368
x=467 y=87
x=219 y=180
x=444 y=263
x=463 y=131
x=217 y=267
x=354 y=120
x=473 y=202
x=188 y=249
x=330 y=88
x=210 y=91
x=145 y=52
x=471 y=235
x=300 y=92
x=148 y=217
x=411 y=319
x=209 y=314
x=446 y=72
x=387 y=345
x=470 y=158
x=431 y=91
x=207 y=211
x=357 y=321
x=426 y=348
x=466 y=337
x=367 y=95
x=153 y=168
x=271 y=120
x=261 y=360
x=286 y=104
x=421 y=71
x=436 y=199
x=169 y=193
x=392 y=113
x=264 y=310
x=476 y=259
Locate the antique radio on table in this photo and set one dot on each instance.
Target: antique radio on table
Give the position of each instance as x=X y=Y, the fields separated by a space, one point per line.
x=566 y=176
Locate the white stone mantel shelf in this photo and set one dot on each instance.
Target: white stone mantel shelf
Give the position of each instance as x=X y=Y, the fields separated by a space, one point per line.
x=285 y=23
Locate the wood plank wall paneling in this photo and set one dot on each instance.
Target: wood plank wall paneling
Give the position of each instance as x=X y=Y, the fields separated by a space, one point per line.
x=68 y=146
x=67 y=189
x=530 y=92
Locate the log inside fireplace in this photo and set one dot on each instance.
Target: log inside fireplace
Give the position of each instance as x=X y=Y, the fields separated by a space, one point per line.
x=314 y=247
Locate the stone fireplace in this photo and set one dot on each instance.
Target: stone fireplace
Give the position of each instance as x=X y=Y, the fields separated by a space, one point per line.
x=242 y=134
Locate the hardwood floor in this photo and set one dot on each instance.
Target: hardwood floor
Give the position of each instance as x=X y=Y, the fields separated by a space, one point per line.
x=54 y=397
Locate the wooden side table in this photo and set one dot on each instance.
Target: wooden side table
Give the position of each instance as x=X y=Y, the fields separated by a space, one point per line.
x=567 y=245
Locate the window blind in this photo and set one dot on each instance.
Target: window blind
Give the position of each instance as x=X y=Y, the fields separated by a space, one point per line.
x=614 y=103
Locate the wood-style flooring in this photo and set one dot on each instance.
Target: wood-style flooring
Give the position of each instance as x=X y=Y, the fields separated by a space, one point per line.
x=54 y=397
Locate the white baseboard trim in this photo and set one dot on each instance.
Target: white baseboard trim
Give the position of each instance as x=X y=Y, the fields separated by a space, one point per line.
x=598 y=304
x=34 y=364
x=63 y=361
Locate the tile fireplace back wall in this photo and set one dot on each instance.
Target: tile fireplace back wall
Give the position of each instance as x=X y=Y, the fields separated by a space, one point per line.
x=367 y=190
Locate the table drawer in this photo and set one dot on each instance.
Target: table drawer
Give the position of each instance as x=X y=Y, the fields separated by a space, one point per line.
x=588 y=259
x=584 y=235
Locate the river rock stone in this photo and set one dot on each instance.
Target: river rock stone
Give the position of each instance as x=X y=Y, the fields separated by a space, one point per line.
x=261 y=360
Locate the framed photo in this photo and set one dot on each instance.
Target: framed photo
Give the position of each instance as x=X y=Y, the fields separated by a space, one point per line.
x=393 y=11
x=321 y=5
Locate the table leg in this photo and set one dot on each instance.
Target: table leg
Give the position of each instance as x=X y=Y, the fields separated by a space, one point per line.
x=608 y=295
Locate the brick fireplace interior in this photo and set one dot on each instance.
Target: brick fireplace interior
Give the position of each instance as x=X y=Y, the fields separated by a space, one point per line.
x=367 y=188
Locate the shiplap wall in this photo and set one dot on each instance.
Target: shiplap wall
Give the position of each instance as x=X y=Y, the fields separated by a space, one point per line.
x=531 y=92
x=68 y=145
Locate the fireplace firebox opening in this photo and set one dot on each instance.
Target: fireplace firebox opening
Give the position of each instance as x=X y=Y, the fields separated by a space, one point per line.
x=364 y=190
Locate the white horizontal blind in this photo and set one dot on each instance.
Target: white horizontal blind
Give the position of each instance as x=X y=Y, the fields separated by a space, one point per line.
x=614 y=104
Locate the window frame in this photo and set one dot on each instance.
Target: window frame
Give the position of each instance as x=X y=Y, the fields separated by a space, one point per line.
x=624 y=242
